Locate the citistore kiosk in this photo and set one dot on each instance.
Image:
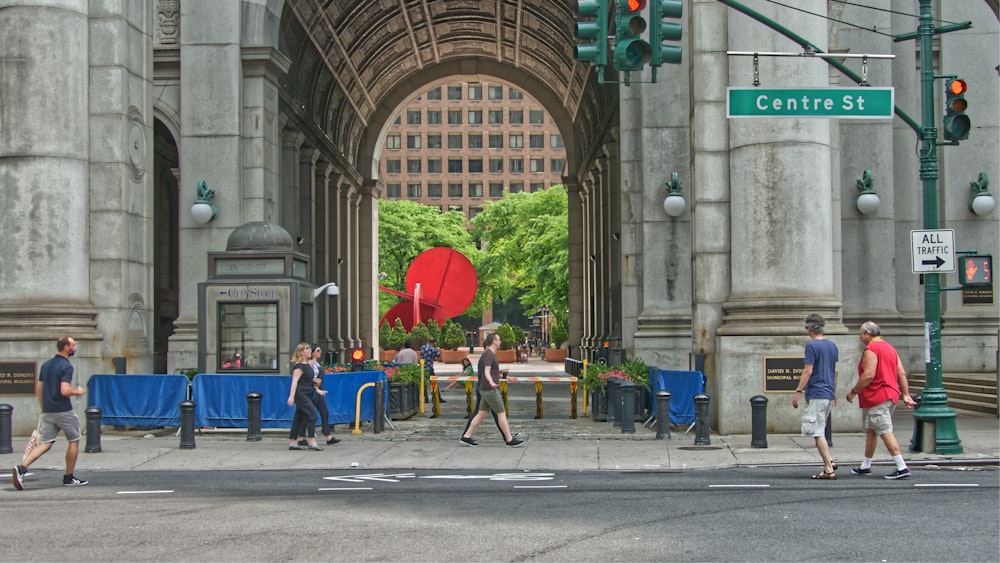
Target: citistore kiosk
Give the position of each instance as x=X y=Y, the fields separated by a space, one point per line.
x=256 y=304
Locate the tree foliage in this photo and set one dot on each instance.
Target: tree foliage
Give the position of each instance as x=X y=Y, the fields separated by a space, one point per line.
x=406 y=229
x=525 y=242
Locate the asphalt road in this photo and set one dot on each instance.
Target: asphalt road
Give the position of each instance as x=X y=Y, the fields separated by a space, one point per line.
x=746 y=514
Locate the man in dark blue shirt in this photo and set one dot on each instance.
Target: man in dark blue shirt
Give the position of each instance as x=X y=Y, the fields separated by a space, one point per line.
x=429 y=352
x=54 y=389
x=819 y=382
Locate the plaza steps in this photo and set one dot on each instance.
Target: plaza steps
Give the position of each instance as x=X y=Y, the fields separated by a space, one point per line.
x=976 y=392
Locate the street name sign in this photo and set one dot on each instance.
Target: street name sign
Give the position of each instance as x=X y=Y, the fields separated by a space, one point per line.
x=839 y=103
x=933 y=251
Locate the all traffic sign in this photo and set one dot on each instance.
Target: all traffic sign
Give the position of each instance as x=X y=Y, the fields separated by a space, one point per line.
x=933 y=251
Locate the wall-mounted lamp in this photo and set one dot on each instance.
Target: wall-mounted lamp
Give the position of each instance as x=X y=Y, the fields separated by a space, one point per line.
x=674 y=204
x=867 y=202
x=982 y=202
x=331 y=290
x=204 y=209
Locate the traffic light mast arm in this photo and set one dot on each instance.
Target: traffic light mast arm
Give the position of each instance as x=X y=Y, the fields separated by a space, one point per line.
x=807 y=45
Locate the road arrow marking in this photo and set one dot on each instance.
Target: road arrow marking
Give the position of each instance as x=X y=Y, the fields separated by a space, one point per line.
x=498 y=477
x=390 y=478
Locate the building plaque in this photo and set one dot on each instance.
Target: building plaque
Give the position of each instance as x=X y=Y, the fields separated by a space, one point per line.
x=781 y=373
x=17 y=378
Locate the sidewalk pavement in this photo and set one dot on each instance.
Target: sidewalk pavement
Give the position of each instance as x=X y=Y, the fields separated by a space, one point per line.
x=552 y=443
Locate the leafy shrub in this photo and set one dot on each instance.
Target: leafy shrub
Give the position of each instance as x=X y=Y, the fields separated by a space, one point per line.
x=452 y=336
x=508 y=338
x=419 y=335
x=559 y=335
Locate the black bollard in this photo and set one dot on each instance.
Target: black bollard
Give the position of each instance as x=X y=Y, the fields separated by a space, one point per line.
x=701 y=425
x=93 y=430
x=758 y=421
x=663 y=414
x=187 y=425
x=6 y=412
x=379 y=422
x=253 y=416
x=629 y=394
x=615 y=401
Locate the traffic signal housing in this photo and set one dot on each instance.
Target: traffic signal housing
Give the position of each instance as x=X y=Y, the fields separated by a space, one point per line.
x=631 y=50
x=975 y=270
x=357 y=359
x=956 y=124
x=661 y=31
x=591 y=26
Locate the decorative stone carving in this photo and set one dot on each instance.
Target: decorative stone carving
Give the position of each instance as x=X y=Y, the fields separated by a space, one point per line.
x=168 y=19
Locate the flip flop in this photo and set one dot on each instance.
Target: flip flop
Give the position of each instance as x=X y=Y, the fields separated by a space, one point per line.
x=824 y=475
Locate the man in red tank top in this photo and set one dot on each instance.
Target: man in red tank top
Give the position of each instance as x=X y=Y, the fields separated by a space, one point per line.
x=881 y=382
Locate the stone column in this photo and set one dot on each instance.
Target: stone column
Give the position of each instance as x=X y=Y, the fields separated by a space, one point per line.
x=347 y=310
x=367 y=264
x=262 y=67
x=781 y=220
x=710 y=183
x=323 y=256
x=45 y=276
x=577 y=291
x=336 y=219
x=210 y=149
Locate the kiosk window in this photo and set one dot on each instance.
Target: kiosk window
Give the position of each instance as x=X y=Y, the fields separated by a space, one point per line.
x=248 y=337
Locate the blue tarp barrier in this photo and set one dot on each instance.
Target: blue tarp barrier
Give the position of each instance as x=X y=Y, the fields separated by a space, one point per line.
x=138 y=400
x=683 y=386
x=220 y=400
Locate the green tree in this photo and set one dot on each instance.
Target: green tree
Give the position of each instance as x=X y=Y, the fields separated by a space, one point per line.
x=507 y=336
x=407 y=228
x=525 y=241
x=419 y=335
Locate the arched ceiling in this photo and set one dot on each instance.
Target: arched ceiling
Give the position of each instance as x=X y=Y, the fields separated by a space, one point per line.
x=353 y=62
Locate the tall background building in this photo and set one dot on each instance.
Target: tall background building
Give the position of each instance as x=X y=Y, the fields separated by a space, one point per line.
x=464 y=142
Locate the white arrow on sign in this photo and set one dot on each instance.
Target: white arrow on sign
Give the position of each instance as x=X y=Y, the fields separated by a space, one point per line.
x=386 y=478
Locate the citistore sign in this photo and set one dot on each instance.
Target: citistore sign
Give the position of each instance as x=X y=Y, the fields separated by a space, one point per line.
x=249 y=293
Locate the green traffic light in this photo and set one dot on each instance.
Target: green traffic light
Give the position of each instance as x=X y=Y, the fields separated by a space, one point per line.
x=591 y=26
x=665 y=31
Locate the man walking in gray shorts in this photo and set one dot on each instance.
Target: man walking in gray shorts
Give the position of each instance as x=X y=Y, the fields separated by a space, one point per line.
x=54 y=389
x=881 y=382
x=819 y=382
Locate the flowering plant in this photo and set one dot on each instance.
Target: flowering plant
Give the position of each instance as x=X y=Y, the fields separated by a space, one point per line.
x=599 y=372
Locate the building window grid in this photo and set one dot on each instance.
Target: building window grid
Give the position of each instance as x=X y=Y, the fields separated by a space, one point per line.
x=434 y=190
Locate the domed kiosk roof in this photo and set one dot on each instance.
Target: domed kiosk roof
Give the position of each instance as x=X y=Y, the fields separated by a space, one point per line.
x=260 y=236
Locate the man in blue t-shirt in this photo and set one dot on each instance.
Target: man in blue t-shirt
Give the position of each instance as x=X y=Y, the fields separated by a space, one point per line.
x=819 y=381
x=429 y=352
x=54 y=389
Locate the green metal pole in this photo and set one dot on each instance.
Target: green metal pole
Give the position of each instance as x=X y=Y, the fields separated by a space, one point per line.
x=934 y=405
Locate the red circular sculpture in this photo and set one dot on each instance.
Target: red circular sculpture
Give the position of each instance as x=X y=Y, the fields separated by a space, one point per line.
x=440 y=283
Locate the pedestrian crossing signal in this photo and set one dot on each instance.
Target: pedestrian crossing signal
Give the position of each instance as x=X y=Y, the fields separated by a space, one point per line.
x=975 y=270
x=357 y=359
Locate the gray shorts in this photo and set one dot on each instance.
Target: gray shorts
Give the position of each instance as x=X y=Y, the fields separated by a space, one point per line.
x=879 y=418
x=814 y=417
x=492 y=399
x=53 y=422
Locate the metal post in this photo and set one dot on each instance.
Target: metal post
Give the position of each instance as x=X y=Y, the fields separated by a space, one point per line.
x=701 y=427
x=614 y=401
x=662 y=414
x=379 y=423
x=93 y=430
x=629 y=394
x=758 y=421
x=187 y=425
x=934 y=407
x=829 y=431
x=6 y=412
x=253 y=416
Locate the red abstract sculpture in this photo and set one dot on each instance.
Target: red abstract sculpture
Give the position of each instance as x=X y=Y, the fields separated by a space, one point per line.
x=440 y=283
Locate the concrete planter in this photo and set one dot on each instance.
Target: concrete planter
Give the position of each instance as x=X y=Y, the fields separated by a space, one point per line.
x=556 y=354
x=507 y=356
x=387 y=355
x=453 y=356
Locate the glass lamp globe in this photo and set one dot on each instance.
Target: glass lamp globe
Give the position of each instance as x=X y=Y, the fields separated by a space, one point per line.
x=202 y=212
x=983 y=204
x=867 y=203
x=674 y=205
